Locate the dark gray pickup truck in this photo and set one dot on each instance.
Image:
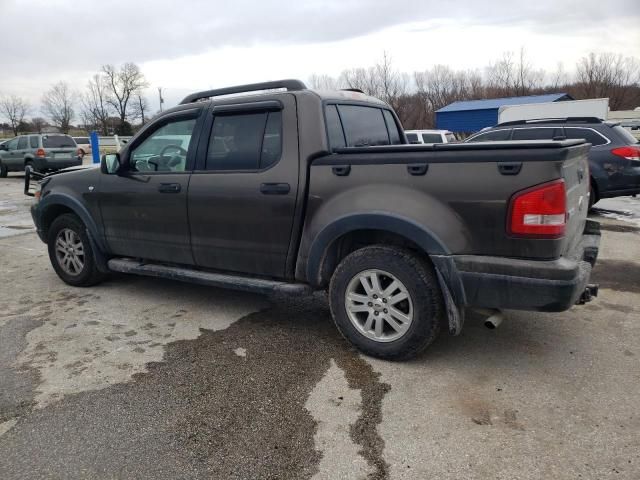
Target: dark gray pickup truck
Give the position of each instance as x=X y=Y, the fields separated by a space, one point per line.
x=294 y=190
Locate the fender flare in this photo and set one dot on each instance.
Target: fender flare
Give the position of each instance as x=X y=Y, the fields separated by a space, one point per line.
x=448 y=278
x=56 y=199
x=404 y=227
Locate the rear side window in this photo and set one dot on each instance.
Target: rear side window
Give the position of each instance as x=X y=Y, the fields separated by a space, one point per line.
x=363 y=126
x=626 y=135
x=431 y=138
x=413 y=138
x=492 y=136
x=535 y=133
x=82 y=140
x=33 y=142
x=245 y=142
x=58 y=141
x=22 y=143
x=591 y=136
x=392 y=127
x=334 y=128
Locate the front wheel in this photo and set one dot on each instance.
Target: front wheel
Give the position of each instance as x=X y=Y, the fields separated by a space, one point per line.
x=386 y=301
x=70 y=252
x=3 y=171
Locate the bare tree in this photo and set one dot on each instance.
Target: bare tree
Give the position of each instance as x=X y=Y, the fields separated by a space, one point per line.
x=38 y=124
x=57 y=103
x=381 y=81
x=122 y=85
x=95 y=109
x=324 y=82
x=609 y=75
x=512 y=76
x=139 y=108
x=14 y=109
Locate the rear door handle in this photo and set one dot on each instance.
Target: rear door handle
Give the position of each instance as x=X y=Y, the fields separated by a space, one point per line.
x=169 y=188
x=275 y=188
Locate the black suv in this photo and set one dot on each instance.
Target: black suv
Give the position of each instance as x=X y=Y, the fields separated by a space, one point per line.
x=614 y=159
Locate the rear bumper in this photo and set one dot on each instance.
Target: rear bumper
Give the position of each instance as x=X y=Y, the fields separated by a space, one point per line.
x=49 y=163
x=549 y=286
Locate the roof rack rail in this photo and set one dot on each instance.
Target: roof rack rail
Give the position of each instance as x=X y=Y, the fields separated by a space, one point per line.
x=357 y=90
x=554 y=120
x=289 y=84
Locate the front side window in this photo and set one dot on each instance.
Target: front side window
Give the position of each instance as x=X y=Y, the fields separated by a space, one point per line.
x=247 y=141
x=12 y=144
x=594 y=138
x=165 y=150
x=22 y=143
x=363 y=126
x=33 y=142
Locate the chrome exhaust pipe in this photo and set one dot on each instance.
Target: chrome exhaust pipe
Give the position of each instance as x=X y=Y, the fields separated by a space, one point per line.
x=494 y=317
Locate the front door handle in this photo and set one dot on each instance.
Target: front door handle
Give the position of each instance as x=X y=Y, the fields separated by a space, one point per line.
x=169 y=188
x=275 y=188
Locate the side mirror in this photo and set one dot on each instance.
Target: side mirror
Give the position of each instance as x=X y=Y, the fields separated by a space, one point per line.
x=3 y=147
x=111 y=163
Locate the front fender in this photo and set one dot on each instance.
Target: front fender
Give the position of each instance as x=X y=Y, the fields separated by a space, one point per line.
x=54 y=200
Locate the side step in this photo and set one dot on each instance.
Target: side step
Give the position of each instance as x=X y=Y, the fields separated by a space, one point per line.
x=247 y=284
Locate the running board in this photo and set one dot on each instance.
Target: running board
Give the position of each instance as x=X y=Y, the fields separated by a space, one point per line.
x=247 y=284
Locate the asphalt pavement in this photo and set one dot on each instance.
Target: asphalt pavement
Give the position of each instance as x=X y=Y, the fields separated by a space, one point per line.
x=147 y=378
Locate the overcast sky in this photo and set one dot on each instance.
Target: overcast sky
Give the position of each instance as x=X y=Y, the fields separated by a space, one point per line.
x=195 y=44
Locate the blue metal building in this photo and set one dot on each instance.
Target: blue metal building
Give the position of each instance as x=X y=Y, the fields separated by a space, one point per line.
x=473 y=115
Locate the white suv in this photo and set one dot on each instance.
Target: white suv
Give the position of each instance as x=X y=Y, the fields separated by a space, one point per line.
x=430 y=136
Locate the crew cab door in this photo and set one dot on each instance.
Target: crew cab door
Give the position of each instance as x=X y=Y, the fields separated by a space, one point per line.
x=144 y=209
x=242 y=195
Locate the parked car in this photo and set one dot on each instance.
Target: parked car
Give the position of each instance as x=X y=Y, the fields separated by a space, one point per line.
x=84 y=145
x=430 y=136
x=614 y=159
x=273 y=192
x=39 y=152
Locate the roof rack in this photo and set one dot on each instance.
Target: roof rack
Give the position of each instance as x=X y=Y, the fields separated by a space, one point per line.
x=554 y=120
x=288 y=84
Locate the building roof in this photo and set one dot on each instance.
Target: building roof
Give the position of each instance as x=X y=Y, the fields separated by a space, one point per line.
x=493 y=103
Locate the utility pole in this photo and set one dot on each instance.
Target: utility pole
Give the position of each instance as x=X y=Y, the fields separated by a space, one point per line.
x=160 y=95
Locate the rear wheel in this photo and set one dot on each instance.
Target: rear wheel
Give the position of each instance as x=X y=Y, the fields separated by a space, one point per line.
x=593 y=194
x=70 y=252
x=386 y=301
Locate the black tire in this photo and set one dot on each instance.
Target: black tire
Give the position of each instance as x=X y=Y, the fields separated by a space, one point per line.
x=89 y=274
x=3 y=171
x=421 y=283
x=593 y=195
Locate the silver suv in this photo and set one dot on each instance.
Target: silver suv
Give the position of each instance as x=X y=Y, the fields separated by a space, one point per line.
x=40 y=152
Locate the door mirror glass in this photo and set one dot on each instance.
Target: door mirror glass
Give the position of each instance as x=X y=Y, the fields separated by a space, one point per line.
x=3 y=147
x=110 y=163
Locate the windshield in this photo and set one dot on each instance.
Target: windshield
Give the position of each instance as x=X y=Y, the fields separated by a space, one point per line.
x=58 y=141
x=626 y=135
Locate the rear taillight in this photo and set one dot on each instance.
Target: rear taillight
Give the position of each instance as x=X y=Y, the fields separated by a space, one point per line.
x=630 y=153
x=40 y=153
x=539 y=212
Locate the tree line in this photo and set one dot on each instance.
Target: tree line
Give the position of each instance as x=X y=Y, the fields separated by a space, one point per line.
x=416 y=97
x=111 y=102
x=113 y=98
